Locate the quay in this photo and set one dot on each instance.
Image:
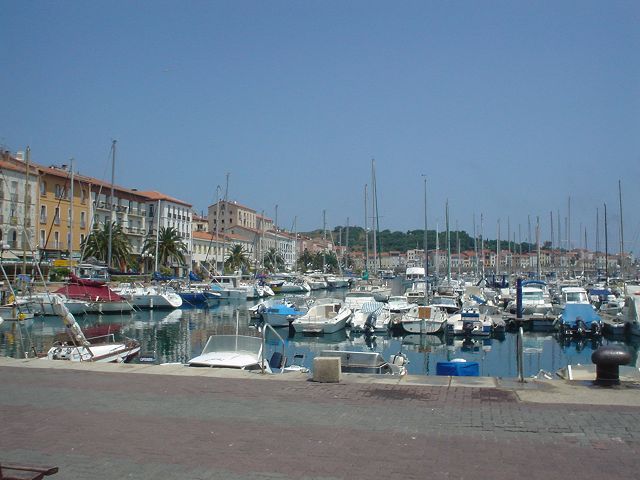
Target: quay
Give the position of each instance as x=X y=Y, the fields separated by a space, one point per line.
x=106 y=421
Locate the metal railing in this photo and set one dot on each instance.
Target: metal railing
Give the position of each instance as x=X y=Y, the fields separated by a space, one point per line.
x=264 y=333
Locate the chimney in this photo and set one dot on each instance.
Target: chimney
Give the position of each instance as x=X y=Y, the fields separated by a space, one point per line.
x=20 y=156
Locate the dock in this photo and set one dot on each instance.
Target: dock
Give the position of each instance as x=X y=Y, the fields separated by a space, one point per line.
x=105 y=421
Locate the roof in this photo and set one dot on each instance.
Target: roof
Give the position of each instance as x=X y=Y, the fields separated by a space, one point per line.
x=235 y=204
x=153 y=195
x=16 y=167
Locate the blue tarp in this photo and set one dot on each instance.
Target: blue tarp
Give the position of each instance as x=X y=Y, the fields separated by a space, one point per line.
x=194 y=278
x=585 y=311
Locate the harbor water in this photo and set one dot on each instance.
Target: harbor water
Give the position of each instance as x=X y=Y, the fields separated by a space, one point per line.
x=178 y=335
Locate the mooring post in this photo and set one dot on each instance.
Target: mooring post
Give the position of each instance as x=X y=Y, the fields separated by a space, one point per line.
x=519 y=355
x=519 y=299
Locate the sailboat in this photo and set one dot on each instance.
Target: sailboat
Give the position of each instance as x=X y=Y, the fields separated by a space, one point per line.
x=81 y=349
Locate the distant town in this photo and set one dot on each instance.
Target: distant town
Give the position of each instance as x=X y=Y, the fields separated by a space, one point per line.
x=48 y=213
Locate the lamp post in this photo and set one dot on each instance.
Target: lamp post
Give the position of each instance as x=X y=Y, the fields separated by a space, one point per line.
x=146 y=256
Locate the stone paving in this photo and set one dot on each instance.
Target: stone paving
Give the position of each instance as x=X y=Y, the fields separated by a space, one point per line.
x=105 y=425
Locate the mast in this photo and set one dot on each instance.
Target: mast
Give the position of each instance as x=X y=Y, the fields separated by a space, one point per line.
x=459 y=260
x=27 y=205
x=606 y=246
x=324 y=237
x=446 y=212
x=482 y=242
x=538 y=247
x=346 y=248
x=218 y=188
x=597 y=230
x=569 y=226
x=425 y=245
x=509 y=255
x=621 y=232
x=498 y=249
x=226 y=209
x=475 y=244
x=70 y=246
x=113 y=175
x=366 y=233
x=437 y=252
x=374 y=205
x=552 y=257
x=158 y=237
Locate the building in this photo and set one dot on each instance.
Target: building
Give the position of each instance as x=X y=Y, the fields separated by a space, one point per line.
x=224 y=215
x=164 y=211
x=17 y=207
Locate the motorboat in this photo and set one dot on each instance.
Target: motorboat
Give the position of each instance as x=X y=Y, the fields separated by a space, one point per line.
x=423 y=319
x=470 y=322
x=379 y=292
x=417 y=293
x=577 y=317
x=398 y=304
x=335 y=282
x=356 y=299
x=326 y=316
x=289 y=286
x=368 y=362
x=149 y=297
x=445 y=302
x=241 y=352
x=282 y=312
x=103 y=348
x=535 y=299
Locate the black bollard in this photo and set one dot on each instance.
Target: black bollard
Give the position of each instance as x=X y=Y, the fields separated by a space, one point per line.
x=519 y=298
x=608 y=360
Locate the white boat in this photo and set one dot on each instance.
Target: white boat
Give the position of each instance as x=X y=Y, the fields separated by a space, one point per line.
x=379 y=292
x=535 y=300
x=281 y=313
x=290 y=286
x=329 y=316
x=316 y=281
x=417 y=293
x=337 y=282
x=423 y=319
x=368 y=362
x=81 y=349
x=355 y=300
x=148 y=297
x=231 y=351
x=470 y=322
x=398 y=304
x=631 y=314
x=447 y=303
x=42 y=303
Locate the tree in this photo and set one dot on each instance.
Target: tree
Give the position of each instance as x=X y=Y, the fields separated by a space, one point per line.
x=170 y=246
x=273 y=261
x=237 y=259
x=305 y=261
x=97 y=244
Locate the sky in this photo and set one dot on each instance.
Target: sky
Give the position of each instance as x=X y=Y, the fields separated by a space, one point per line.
x=507 y=108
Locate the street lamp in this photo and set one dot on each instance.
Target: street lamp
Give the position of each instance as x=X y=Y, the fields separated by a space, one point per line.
x=145 y=256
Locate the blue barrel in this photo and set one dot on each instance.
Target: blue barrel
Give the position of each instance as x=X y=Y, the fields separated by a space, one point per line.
x=458 y=369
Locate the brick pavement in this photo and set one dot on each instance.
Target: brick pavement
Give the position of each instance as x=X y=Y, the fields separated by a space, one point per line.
x=110 y=425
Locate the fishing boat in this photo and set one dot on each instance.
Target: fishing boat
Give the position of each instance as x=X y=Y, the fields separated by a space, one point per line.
x=578 y=317
x=327 y=316
x=447 y=303
x=81 y=349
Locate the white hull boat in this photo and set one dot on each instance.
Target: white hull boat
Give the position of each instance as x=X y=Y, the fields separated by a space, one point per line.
x=423 y=319
x=231 y=351
x=328 y=317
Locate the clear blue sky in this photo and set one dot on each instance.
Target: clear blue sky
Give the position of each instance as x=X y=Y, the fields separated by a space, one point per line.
x=507 y=107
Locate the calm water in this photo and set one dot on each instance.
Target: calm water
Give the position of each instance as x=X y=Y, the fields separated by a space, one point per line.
x=178 y=335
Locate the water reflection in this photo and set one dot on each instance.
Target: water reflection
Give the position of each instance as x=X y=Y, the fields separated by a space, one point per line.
x=178 y=335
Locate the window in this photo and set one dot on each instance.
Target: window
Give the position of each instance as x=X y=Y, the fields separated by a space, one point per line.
x=83 y=223
x=43 y=214
x=69 y=217
x=56 y=239
x=43 y=239
x=43 y=188
x=83 y=195
x=82 y=237
x=56 y=216
x=68 y=241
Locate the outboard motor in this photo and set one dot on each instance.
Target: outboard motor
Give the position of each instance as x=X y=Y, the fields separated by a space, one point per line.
x=580 y=326
x=467 y=328
x=370 y=323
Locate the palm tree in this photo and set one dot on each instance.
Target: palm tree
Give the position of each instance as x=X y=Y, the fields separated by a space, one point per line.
x=170 y=246
x=273 y=261
x=237 y=259
x=305 y=261
x=97 y=244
